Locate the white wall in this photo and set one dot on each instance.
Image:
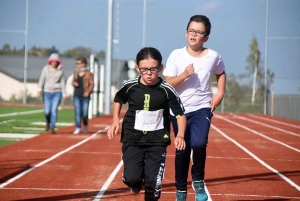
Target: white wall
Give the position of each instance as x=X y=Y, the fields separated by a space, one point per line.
x=10 y=86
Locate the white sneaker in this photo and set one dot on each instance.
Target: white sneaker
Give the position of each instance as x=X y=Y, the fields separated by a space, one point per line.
x=85 y=129
x=77 y=131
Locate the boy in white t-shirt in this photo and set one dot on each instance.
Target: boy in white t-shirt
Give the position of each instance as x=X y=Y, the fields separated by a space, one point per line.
x=188 y=70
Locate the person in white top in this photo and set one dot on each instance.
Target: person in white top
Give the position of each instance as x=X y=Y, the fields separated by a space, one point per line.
x=188 y=70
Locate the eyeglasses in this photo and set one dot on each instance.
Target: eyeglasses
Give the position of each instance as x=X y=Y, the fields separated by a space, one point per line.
x=152 y=70
x=197 y=33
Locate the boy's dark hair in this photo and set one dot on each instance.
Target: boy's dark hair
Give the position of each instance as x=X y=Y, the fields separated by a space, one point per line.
x=82 y=59
x=147 y=53
x=203 y=19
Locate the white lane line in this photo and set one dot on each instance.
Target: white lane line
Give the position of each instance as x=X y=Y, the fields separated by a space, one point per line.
x=17 y=135
x=7 y=121
x=21 y=113
x=50 y=159
x=257 y=133
x=273 y=120
x=57 y=123
x=108 y=181
x=273 y=127
x=262 y=196
x=28 y=128
x=63 y=189
x=110 y=178
x=256 y=158
x=163 y=192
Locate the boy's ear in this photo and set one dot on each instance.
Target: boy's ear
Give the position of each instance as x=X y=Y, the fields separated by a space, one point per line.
x=206 y=38
x=137 y=68
x=160 y=68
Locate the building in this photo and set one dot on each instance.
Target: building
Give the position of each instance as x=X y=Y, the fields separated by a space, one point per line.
x=12 y=73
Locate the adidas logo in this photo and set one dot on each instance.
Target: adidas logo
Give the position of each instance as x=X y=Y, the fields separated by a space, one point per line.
x=166 y=136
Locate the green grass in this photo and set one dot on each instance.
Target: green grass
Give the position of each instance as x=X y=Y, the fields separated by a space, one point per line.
x=10 y=124
x=4 y=141
x=11 y=109
x=22 y=123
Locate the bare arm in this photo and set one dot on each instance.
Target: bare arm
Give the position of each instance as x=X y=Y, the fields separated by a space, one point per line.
x=179 y=140
x=216 y=100
x=175 y=81
x=114 y=128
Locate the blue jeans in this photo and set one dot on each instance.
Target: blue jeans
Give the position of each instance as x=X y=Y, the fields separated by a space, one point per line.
x=196 y=138
x=81 y=107
x=51 y=103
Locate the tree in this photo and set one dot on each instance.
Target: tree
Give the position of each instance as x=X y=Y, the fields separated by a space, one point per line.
x=78 y=51
x=256 y=69
x=253 y=66
x=234 y=94
x=52 y=50
x=6 y=47
x=100 y=54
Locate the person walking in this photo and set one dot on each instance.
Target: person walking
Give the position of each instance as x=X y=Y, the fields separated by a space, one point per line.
x=83 y=82
x=51 y=86
x=146 y=125
x=188 y=70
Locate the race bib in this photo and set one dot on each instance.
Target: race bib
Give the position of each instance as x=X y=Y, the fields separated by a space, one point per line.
x=149 y=120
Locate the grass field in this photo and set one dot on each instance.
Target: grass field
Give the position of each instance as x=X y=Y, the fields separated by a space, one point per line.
x=28 y=120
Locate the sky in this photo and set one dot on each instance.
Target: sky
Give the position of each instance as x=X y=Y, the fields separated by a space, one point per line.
x=70 y=23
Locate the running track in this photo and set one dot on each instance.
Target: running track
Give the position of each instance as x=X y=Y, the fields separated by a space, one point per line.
x=250 y=157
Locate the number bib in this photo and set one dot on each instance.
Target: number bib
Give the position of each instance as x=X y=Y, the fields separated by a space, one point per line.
x=149 y=120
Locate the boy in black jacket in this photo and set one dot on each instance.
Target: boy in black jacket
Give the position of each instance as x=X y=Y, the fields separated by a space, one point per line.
x=146 y=125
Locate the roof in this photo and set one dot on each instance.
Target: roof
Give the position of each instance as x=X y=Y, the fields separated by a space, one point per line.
x=13 y=66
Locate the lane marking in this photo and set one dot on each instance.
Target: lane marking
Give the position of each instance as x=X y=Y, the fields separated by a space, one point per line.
x=256 y=158
x=163 y=192
x=7 y=121
x=273 y=120
x=257 y=133
x=57 y=123
x=110 y=178
x=108 y=181
x=50 y=159
x=28 y=128
x=263 y=124
x=264 y=196
x=17 y=135
x=21 y=113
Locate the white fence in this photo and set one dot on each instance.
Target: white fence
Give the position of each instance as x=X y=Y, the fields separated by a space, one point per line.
x=286 y=106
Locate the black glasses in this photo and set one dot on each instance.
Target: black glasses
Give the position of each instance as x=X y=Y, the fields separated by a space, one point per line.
x=145 y=70
x=197 y=33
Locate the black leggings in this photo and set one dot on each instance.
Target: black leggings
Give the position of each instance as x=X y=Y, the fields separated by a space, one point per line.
x=144 y=165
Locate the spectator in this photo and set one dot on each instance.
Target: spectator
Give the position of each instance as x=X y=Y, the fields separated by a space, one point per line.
x=83 y=82
x=52 y=87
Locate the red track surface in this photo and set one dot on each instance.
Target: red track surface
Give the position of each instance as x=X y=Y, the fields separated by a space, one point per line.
x=250 y=157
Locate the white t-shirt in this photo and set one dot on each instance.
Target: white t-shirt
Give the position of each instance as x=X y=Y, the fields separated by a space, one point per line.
x=194 y=91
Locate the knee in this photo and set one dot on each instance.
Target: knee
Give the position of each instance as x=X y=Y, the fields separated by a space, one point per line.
x=199 y=144
x=153 y=183
x=132 y=181
x=53 y=112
